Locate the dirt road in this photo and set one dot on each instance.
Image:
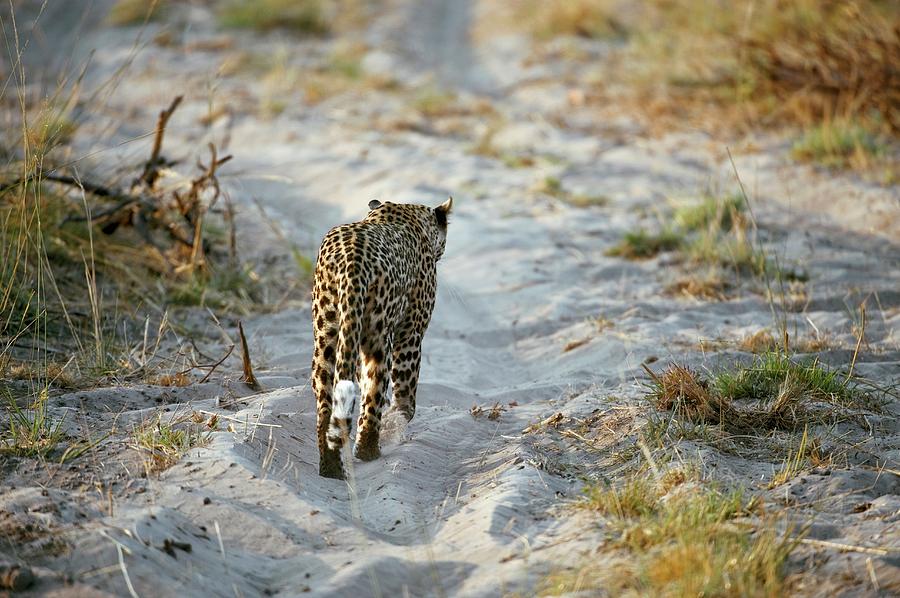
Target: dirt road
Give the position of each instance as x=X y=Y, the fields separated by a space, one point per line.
x=461 y=503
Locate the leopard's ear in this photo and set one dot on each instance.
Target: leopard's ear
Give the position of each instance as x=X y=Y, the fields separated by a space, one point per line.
x=374 y=204
x=442 y=211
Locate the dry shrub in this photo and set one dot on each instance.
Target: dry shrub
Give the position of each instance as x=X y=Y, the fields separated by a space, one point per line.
x=830 y=58
x=755 y=61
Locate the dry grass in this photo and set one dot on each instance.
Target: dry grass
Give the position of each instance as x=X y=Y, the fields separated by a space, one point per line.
x=719 y=245
x=683 y=390
x=434 y=102
x=176 y=379
x=760 y=341
x=28 y=371
x=719 y=234
x=69 y=285
x=713 y=232
x=281 y=76
x=723 y=213
x=82 y=261
x=554 y=187
x=84 y=264
x=732 y=251
x=773 y=61
x=705 y=287
x=809 y=452
x=811 y=344
x=583 y=18
x=342 y=72
x=681 y=537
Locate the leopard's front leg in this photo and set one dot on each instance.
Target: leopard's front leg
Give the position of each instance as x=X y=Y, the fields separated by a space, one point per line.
x=405 y=373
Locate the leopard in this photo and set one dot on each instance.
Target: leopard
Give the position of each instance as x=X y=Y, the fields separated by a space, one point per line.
x=373 y=295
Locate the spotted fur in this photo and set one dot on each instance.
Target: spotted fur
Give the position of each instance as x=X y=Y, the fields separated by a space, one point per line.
x=373 y=295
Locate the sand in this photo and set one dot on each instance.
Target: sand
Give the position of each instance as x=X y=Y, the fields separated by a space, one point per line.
x=460 y=504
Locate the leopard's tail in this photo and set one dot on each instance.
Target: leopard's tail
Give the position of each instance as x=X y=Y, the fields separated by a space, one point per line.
x=346 y=389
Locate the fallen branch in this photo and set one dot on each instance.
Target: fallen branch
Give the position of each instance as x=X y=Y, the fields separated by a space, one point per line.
x=86 y=186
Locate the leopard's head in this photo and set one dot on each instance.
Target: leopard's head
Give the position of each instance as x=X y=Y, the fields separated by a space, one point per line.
x=438 y=230
x=432 y=220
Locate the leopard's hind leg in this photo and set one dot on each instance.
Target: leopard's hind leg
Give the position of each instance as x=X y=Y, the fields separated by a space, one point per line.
x=325 y=331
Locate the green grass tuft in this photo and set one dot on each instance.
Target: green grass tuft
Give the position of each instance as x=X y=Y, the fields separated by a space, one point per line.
x=642 y=245
x=31 y=432
x=164 y=442
x=232 y=289
x=733 y=251
x=136 y=12
x=721 y=213
x=839 y=144
x=433 y=102
x=300 y=16
x=767 y=375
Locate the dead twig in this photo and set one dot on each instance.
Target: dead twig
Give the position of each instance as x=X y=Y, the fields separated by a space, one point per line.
x=880 y=551
x=248 y=378
x=151 y=167
x=212 y=368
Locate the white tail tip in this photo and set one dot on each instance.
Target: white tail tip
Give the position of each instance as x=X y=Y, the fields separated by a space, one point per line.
x=345 y=393
x=342 y=405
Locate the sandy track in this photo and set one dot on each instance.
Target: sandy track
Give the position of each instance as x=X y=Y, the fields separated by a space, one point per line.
x=457 y=505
